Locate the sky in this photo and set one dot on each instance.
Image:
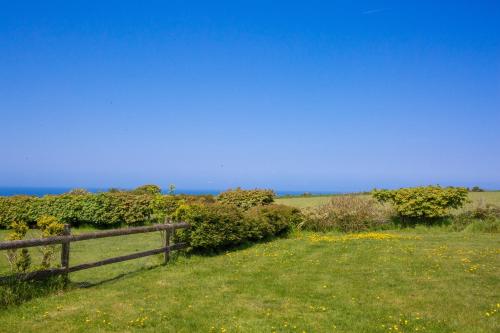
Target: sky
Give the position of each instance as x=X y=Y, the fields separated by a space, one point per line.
x=290 y=95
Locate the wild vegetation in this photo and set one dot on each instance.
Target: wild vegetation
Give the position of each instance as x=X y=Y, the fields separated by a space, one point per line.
x=347 y=265
x=347 y=213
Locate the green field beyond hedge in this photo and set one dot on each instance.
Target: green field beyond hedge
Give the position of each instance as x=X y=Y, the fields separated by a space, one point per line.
x=421 y=280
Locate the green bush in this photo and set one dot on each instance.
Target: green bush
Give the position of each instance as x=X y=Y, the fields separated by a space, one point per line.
x=271 y=220
x=213 y=226
x=347 y=213
x=216 y=226
x=423 y=204
x=19 y=208
x=246 y=199
x=147 y=189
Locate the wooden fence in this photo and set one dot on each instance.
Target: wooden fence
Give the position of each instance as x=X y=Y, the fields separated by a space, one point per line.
x=67 y=238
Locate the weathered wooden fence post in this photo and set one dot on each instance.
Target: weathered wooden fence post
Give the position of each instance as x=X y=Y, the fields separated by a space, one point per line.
x=65 y=251
x=167 y=242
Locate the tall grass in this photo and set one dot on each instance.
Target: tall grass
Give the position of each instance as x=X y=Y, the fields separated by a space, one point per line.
x=349 y=213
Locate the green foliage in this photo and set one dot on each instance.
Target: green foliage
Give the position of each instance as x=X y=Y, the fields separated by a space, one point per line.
x=271 y=220
x=19 y=261
x=488 y=226
x=147 y=189
x=165 y=205
x=476 y=189
x=347 y=213
x=423 y=204
x=246 y=199
x=481 y=217
x=49 y=227
x=101 y=209
x=14 y=292
x=213 y=226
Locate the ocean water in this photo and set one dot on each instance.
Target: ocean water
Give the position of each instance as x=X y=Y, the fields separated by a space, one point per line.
x=41 y=191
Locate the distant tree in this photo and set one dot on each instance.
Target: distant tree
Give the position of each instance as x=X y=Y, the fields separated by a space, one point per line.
x=476 y=189
x=171 y=189
x=147 y=189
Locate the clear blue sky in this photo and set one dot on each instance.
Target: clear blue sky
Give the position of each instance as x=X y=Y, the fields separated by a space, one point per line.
x=309 y=95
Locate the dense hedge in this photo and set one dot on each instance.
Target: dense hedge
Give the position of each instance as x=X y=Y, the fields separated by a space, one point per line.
x=271 y=220
x=246 y=199
x=220 y=225
x=101 y=209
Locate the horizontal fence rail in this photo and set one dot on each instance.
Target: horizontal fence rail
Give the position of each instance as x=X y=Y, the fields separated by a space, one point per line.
x=17 y=244
x=168 y=228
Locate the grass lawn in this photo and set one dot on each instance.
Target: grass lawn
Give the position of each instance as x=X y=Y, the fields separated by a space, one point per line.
x=302 y=202
x=417 y=281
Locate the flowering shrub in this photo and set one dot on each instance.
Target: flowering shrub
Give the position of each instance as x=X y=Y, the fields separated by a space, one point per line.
x=49 y=226
x=20 y=262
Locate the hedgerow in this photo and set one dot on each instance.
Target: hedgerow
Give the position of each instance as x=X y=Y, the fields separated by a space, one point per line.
x=246 y=199
x=220 y=225
x=271 y=220
x=100 y=210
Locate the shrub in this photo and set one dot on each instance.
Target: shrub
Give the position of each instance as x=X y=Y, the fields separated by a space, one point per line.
x=216 y=226
x=246 y=199
x=165 y=205
x=423 y=204
x=213 y=226
x=347 y=213
x=147 y=189
x=49 y=226
x=19 y=208
x=271 y=220
x=481 y=217
x=19 y=261
x=14 y=290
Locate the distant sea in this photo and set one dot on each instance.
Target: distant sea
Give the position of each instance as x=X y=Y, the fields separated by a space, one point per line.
x=41 y=191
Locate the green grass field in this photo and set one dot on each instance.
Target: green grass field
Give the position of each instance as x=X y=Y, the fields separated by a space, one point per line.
x=428 y=281
x=303 y=202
